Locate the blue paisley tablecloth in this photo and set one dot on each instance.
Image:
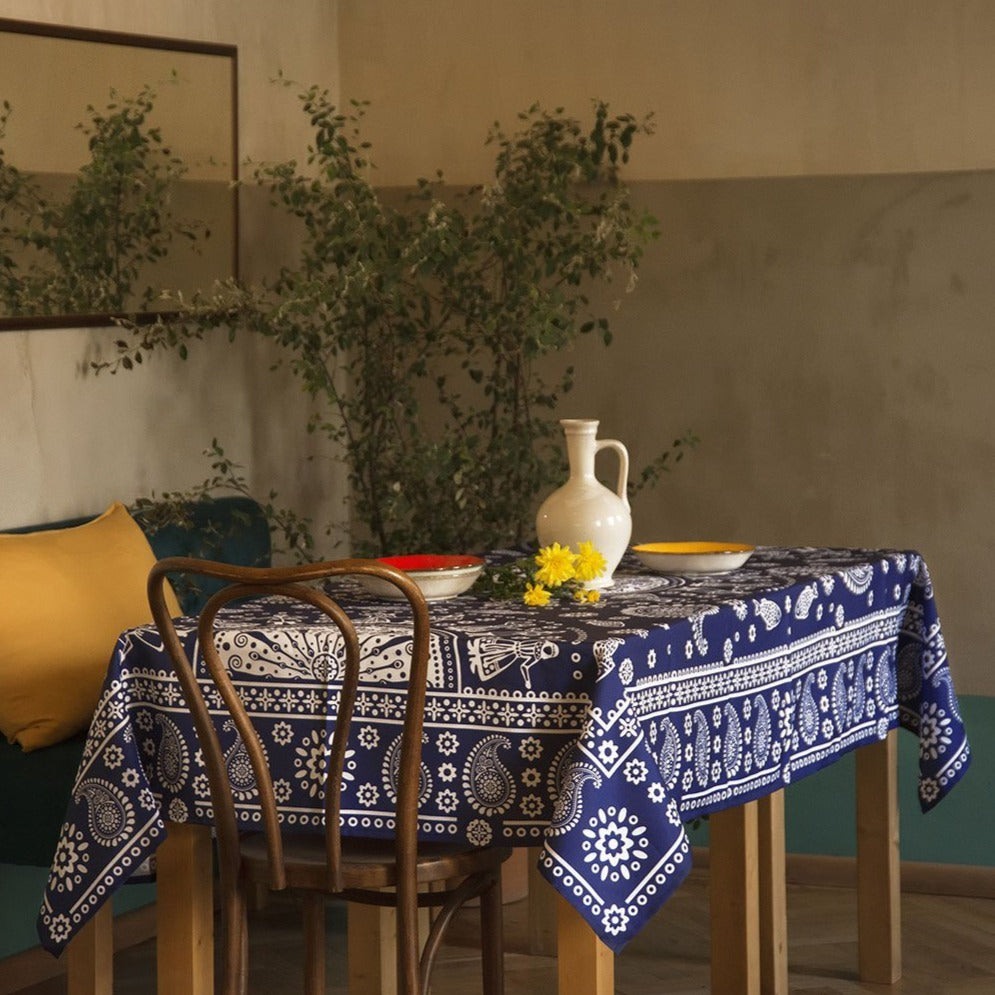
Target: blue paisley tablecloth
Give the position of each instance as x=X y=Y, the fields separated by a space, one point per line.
x=594 y=731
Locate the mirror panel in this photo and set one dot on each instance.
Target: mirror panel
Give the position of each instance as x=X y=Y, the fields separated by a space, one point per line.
x=58 y=82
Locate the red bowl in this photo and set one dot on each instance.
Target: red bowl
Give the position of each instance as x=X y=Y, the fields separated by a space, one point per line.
x=439 y=577
x=418 y=562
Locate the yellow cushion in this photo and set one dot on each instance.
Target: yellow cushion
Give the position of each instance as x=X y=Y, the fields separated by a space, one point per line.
x=65 y=596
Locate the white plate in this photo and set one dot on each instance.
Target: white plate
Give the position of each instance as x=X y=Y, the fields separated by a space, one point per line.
x=693 y=557
x=439 y=577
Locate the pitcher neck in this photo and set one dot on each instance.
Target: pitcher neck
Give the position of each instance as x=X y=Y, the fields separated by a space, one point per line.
x=581 y=434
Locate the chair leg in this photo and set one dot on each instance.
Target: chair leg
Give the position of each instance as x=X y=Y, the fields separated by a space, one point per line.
x=492 y=937
x=243 y=942
x=236 y=952
x=414 y=973
x=314 y=943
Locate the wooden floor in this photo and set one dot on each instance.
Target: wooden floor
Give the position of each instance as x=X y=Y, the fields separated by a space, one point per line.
x=948 y=949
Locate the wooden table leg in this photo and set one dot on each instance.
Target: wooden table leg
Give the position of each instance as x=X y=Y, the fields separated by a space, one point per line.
x=90 y=956
x=542 y=910
x=879 y=924
x=371 y=942
x=372 y=946
x=585 y=966
x=185 y=911
x=773 y=895
x=734 y=901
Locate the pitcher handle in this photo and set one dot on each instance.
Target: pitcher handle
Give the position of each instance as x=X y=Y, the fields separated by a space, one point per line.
x=623 y=465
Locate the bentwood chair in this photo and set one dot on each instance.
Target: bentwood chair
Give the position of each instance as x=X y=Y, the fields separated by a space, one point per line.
x=398 y=872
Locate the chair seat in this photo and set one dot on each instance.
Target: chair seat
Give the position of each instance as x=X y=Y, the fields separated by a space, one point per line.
x=366 y=863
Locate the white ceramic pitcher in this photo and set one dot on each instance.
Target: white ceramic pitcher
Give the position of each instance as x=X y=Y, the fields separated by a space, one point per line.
x=583 y=509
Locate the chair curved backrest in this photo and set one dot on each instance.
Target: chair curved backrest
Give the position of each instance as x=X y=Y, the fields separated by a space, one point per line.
x=297 y=583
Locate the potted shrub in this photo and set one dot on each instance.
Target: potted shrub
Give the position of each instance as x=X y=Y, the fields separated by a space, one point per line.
x=426 y=329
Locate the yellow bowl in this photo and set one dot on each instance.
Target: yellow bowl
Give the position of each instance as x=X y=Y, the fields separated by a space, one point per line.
x=693 y=557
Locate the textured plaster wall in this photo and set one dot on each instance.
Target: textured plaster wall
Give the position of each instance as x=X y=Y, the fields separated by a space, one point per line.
x=738 y=87
x=830 y=341
x=69 y=442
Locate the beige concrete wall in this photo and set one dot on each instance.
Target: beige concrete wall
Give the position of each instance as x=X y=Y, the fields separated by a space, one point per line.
x=830 y=341
x=71 y=443
x=827 y=331
x=738 y=87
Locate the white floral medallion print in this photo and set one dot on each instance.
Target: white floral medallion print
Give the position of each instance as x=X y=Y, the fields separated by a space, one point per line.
x=615 y=844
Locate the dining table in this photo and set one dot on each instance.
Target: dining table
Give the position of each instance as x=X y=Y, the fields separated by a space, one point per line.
x=593 y=733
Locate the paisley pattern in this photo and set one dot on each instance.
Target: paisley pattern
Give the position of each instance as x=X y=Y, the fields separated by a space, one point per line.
x=840 y=701
x=110 y=815
x=172 y=757
x=761 y=731
x=670 y=755
x=566 y=783
x=909 y=672
x=238 y=766
x=487 y=783
x=391 y=767
x=732 y=750
x=591 y=731
x=702 y=748
x=860 y=684
x=809 y=718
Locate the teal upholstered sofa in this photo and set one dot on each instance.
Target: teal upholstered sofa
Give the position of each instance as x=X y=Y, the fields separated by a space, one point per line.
x=34 y=786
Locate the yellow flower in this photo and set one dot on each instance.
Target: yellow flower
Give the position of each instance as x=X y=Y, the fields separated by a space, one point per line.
x=593 y=597
x=556 y=565
x=590 y=563
x=536 y=594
